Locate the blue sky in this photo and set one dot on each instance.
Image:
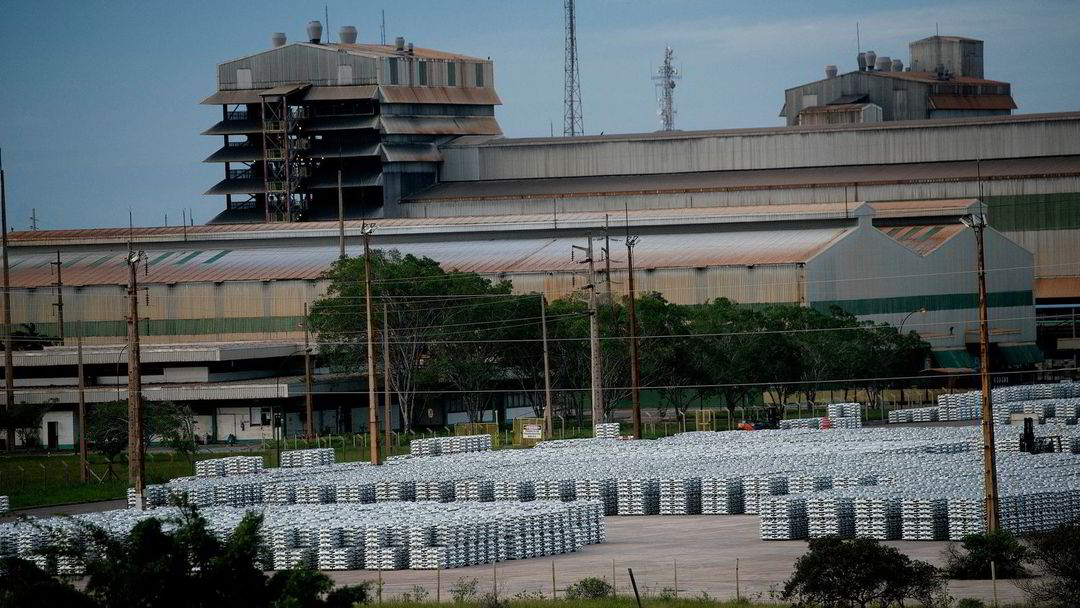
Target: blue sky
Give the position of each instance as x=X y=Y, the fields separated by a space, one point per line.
x=99 y=107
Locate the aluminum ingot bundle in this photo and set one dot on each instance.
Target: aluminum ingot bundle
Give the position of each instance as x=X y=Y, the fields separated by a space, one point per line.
x=606 y=430
x=308 y=458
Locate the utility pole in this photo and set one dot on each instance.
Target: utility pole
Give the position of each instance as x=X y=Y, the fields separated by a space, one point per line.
x=548 y=412
x=84 y=464
x=387 y=419
x=607 y=264
x=978 y=224
x=596 y=392
x=59 y=284
x=135 y=421
x=9 y=365
x=373 y=423
x=635 y=360
x=309 y=408
x=340 y=214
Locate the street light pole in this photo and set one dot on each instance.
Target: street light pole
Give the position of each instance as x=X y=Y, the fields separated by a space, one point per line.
x=373 y=424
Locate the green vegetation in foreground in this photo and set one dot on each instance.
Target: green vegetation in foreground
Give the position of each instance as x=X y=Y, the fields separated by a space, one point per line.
x=616 y=602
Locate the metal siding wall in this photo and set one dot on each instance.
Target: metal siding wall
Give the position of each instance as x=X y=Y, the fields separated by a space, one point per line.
x=778 y=150
x=297 y=63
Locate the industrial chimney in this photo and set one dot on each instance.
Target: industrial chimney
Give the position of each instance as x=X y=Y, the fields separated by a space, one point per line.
x=831 y=71
x=884 y=64
x=314 y=32
x=897 y=65
x=399 y=44
x=278 y=39
x=871 y=58
x=409 y=49
x=347 y=34
x=862 y=61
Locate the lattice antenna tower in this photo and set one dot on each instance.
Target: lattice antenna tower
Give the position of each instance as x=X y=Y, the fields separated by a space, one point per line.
x=572 y=123
x=665 y=78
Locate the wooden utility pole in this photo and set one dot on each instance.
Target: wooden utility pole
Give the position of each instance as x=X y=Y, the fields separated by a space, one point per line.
x=135 y=421
x=59 y=284
x=978 y=224
x=340 y=215
x=596 y=392
x=387 y=418
x=373 y=424
x=84 y=463
x=548 y=412
x=309 y=406
x=9 y=364
x=635 y=360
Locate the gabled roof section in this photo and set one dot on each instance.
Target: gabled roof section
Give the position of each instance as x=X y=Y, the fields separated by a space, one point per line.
x=923 y=239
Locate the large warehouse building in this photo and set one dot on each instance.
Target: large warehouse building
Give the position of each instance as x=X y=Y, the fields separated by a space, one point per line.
x=861 y=216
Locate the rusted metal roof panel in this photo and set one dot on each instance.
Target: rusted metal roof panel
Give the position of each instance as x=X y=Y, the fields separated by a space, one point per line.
x=835 y=107
x=923 y=239
x=932 y=77
x=323 y=149
x=387 y=50
x=340 y=93
x=1057 y=287
x=752 y=179
x=284 y=89
x=233 y=97
x=340 y=123
x=445 y=95
x=972 y=102
x=489 y=256
x=349 y=179
x=439 y=125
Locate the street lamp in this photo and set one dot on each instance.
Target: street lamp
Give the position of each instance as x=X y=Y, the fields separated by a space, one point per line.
x=900 y=329
x=273 y=418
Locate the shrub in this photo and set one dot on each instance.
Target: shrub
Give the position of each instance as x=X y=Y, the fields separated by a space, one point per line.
x=464 y=590
x=590 y=588
x=971 y=559
x=970 y=602
x=1056 y=555
x=860 y=572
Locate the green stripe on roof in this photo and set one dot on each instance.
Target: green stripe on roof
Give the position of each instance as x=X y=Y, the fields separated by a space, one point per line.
x=906 y=304
x=161 y=257
x=929 y=233
x=187 y=258
x=892 y=231
x=99 y=261
x=907 y=233
x=218 y=256
x=74 y=261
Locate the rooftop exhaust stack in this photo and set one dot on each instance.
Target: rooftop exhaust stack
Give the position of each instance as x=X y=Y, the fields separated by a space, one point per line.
x=897 y=65
x=314 y=32
x=399 y=44
x=831 y=71
x=871 y=59
x=278 y=39
x=409 y=48
x=884 y=64
x=347 y=34
x=862 y=61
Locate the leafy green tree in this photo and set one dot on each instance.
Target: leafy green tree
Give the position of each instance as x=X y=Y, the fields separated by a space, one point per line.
x=1056 y=556
x=107 y=427
x=972 y=557
x=22 y=583
x=859 y=572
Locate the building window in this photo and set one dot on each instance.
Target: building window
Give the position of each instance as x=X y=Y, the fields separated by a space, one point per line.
x=479 y=74
x=451 y=74
x=259 y=416
x=392 y=67
x=421 y=72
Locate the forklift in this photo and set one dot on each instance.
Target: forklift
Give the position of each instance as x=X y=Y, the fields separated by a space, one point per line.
x=1038 y=445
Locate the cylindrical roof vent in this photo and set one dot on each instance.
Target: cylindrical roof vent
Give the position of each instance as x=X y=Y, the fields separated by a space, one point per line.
x=347 y=34
x=831 y=71
x=399 y=44
x=409 y=48
x=314 y=31
x=278 y=39
x=897 y=65
x=871 y=57
x=861 y=59
x=884 y=64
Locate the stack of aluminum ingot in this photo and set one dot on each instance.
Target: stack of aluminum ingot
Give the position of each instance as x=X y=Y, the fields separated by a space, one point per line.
x=680 y=496
x=721 y=496
x=830 y=514
x=606 y=430
x=783 y=517
x=755 y=487
x=457 y=444
x=800 y=423
x=233 y=465
x=313 y=457
x=877 y=516
x=5 y=504
x=923 y=519
x=638 y=496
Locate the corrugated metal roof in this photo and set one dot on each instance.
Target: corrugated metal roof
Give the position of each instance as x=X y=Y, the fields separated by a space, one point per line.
x=931 y=77
x=972 y=102
x=387 y=50
x=284 y=89
x=445 y=95
x=923 y=239
x=340 y=123
x=713 y=181
x=238 y=186
x=439 y=125
x=233 y=97
x=490 y=256
x=886 y=125
x=349 y=179
x=234 y=127
x=396 y=153
x=158 y=353
x=835 y=107
x=229 y=154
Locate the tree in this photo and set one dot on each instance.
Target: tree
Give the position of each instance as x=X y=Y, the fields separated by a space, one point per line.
x=422 y=301
x=859 y=572
x=1056 y=555
x=107 y=428
x=972 y=558
x=22 y=583
x=25 y=419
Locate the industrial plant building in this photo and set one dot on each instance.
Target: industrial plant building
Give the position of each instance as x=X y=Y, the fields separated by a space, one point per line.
x=862 y=215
